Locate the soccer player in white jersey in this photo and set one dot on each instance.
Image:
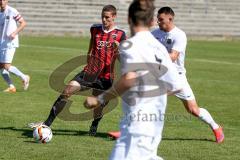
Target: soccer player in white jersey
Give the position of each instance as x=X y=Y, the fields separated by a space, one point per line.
x=175 y=40
x=9 y=17
x=147 y=75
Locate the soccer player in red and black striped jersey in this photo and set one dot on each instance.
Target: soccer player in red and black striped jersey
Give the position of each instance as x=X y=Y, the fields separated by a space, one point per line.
x=98 y=73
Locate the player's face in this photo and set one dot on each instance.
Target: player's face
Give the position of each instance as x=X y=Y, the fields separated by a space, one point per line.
x=164 y=21
x=3 y=3
x=108 y=19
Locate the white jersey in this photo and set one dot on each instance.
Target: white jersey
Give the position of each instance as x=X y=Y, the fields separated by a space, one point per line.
x=176 y=40
x=8 y=24
x=144 y=104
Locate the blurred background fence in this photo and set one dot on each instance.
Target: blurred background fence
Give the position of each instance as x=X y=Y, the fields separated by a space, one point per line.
x=198 y=18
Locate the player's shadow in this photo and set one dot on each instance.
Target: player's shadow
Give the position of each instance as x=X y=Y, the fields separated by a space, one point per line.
x=186 y=139
x=28 y=132
x=78 y=133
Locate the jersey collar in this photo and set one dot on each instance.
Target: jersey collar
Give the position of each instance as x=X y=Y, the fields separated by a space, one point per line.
x=105 y=31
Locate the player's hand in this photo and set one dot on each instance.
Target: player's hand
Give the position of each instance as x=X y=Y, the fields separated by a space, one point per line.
x=115 y=45
x=91 y=102
x=13 y=35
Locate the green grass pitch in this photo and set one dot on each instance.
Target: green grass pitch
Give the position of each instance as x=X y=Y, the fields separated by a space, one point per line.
x=213 y=72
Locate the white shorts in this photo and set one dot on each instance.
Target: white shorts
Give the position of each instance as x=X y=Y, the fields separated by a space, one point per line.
x=134 y=147
x=186 y=93
x=6 y=56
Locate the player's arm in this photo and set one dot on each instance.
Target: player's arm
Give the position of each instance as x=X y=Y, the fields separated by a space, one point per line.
x=91 y=43
x=116 y=44
x=122 y=85
x=22 y=24
x=179 y=45
x=116 y=50
x=115 y=47
x=174 y=55
x=90 y=48
x=171 y=76
x=170 y=93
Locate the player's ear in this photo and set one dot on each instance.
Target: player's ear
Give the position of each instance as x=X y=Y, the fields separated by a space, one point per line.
x=114 y=16
x=170 y=19
x=129 y=21
x=152 y=23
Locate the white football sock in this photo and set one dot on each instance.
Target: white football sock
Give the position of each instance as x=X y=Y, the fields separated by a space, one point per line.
x=205 y=116
x=6 y=77
x=17 y=72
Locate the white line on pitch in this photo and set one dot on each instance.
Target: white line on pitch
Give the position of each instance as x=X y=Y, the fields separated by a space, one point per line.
x=74 y=49
x=212 y=61
x=53 y=48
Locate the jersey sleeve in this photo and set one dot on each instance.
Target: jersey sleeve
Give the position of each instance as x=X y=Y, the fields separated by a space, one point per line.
x=180 y=42
x=92 y=31
x=16 y=15
x=123 y=37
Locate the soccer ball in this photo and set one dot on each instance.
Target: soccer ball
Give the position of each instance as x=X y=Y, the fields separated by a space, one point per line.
x=42 y=134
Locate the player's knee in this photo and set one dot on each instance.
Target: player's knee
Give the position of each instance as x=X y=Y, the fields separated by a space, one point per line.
x=70 y=89
x=66 y=93
x=6 y=66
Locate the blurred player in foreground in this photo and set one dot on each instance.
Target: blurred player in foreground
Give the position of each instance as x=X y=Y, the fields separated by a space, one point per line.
x=9 y=17
x=147 y=75
x=98 y=73
x=175 y=40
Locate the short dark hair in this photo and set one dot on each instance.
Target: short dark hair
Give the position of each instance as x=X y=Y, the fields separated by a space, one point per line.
x=141 y=12
x=166 y=10
x=110 y=8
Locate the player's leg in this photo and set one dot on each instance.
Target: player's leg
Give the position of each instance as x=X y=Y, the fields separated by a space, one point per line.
x=25 y=78
x=75 y=85
x=121 y=147
x=60 y=103
x=188 y=99
x=100 y=86
x=206 y=117
x=192 y=107
x=97 y=115
x=9 y=57
x=132 y=147
x=5 y=60
x=5 y=74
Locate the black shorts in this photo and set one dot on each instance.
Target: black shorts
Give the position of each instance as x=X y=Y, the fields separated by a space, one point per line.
x=90 y=82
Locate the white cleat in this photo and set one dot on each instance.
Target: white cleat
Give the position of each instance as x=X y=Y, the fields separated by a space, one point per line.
x=26 y=82
x=35 y=124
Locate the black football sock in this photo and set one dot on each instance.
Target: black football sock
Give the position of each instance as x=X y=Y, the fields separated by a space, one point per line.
x=96 y=121
x=56 y=109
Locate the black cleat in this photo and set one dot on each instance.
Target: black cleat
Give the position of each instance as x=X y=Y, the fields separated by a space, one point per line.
x=93 y=131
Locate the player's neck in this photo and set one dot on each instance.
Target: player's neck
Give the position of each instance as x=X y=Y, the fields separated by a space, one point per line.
x=108 y=28
x=137 y=29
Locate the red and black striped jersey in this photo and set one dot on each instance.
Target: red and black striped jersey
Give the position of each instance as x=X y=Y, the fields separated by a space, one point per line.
x=103 y=55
